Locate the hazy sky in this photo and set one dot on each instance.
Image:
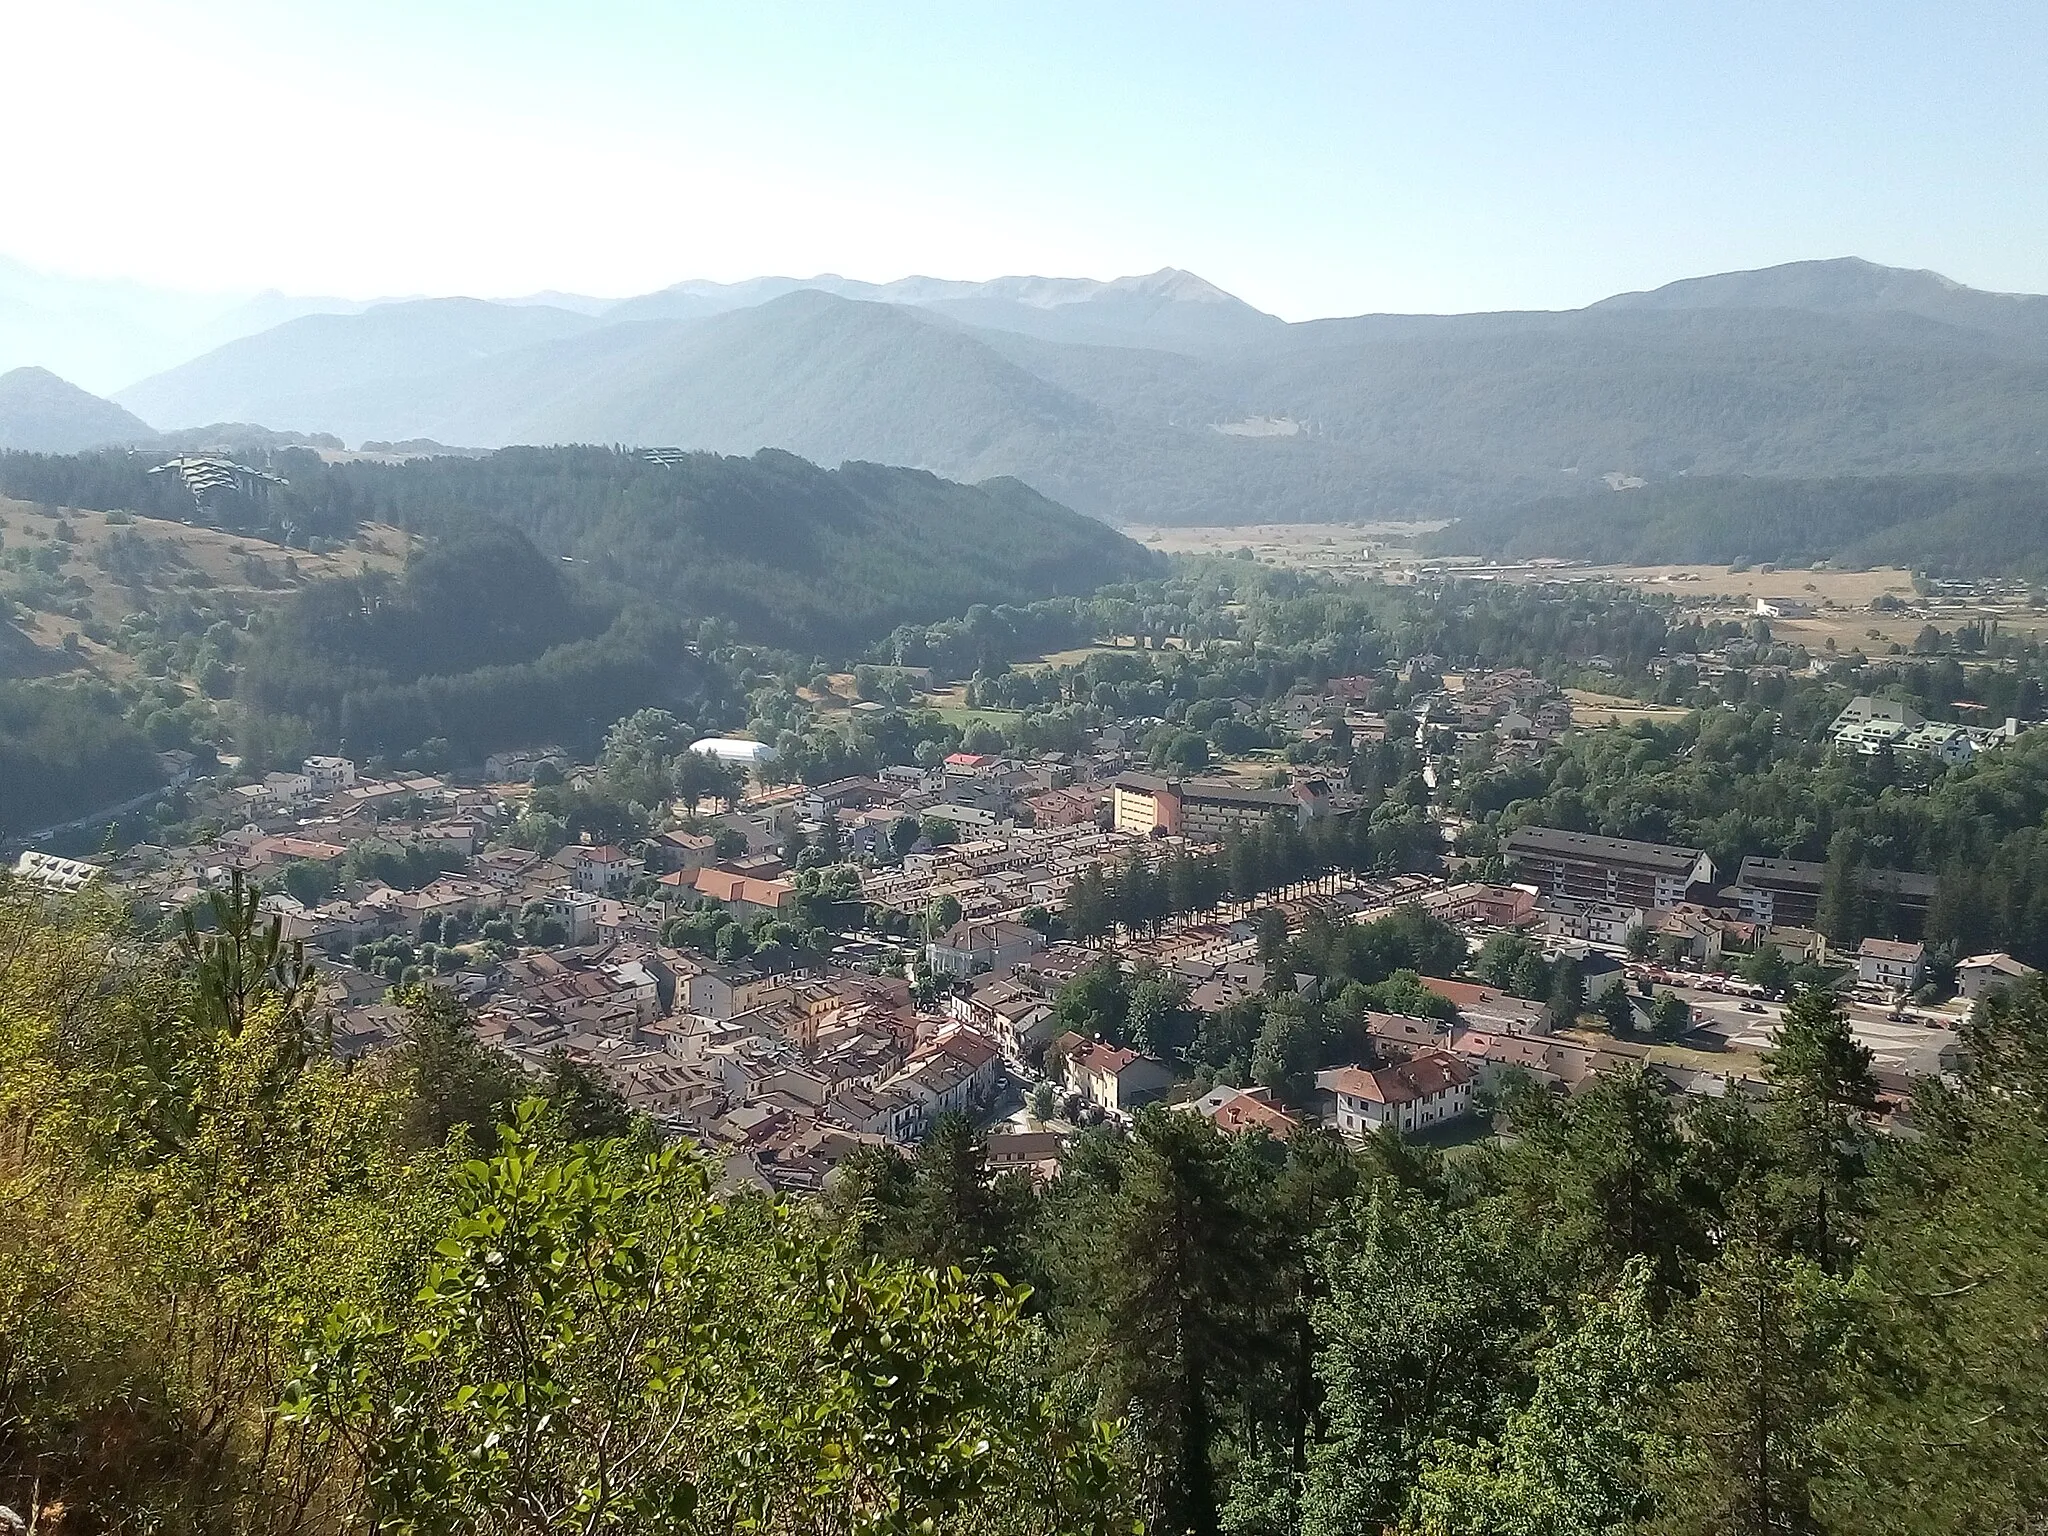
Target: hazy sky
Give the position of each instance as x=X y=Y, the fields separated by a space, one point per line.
x=1316 y=159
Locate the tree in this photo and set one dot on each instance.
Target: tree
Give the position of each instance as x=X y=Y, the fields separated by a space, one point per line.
x=1420 y=1328
x=1618 y=1011
x=1272 y=939
x=1745 y=1424
x=1288 y=1051
x=941 y=915
x=1767 y=968
x=1044 y=1102
x=1842 y=911
x=1670 y=1016
x=1095 y=1003
x=1159 y=1021
x=1637 y=941
x=1574 y=1461
x=1567 y=995
x=573 y=1364
x=1532 y=977
x=1179 y=1277
x=241 y=960
x=1821 y=1087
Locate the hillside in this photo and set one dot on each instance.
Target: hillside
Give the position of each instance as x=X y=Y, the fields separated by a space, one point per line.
x=1162 y=400
x=41 y=413
x=786 y=551
x=1947 y=524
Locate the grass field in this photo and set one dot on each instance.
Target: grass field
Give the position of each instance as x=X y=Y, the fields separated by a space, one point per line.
x=113 y=567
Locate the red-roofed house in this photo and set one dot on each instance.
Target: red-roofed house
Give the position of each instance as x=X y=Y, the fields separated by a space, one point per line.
x=1115 y=1081
x=743 y=895
x=1232 y=1110
x=1425 y=1091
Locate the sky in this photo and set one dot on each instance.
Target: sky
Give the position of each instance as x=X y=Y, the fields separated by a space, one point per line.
x=1314 y=159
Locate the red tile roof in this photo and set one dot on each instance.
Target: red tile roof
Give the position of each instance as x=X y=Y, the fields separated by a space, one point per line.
x=1433 y=1072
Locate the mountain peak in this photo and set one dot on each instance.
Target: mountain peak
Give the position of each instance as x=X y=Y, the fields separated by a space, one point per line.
x=1841 y=285
x=41 y=413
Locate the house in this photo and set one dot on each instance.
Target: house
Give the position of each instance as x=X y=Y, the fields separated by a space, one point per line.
x=727 y=991
x=1890 y=964
x=743 y=895
x=1592 y=922
x=1232 y=1110
x=1200 y=810
x=517 y=767
x=1693 y=935
x=682 y=852
x=1614 y=871
x=603 y=870
x=1065 y=808
x=1115 y=1081
x=1783 y=608
x=1427 y=1090
x=1981 y=976
x=576 y=911
x=968 y=947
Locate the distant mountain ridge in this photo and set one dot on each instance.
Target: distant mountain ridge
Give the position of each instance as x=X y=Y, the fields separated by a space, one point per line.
x=41 y=413
x=1162 y=398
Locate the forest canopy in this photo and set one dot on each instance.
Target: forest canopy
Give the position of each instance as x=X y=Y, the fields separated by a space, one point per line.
x=1965 y=525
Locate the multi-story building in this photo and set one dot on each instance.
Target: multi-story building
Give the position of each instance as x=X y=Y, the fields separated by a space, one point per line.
x=1613 y=871
x=1785 y=893
x=1206 y=810
x=329 y=775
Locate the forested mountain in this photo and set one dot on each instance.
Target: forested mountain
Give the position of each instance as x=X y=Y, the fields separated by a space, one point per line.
x=785 y=551
x=561 y=588
x=41 y=413
x=1163 y=399
x=1948 y=524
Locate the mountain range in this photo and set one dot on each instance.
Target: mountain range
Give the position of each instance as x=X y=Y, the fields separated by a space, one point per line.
x=1163 y=399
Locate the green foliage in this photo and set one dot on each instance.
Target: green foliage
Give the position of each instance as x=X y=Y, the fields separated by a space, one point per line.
x=599 y=1344
x=66 y=750
x=1574 y=1462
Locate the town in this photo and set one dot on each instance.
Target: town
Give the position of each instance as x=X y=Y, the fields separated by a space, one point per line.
x=797 y=971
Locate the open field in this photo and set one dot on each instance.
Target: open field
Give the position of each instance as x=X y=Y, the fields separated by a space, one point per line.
x=1339 y=548
x=113 y=565
x=1840 y=600
x=1589 y=708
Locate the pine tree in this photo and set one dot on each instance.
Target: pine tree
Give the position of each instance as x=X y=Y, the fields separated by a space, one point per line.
x=1180 y=1280
x=1746 y=1425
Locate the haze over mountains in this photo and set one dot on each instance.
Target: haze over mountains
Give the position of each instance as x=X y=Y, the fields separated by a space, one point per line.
x=1162 y=398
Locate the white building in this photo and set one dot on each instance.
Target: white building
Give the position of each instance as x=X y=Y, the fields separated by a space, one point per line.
x=328 y=775
x=1982 y=975
x=1427 y=1090
x=1889 y=963
x=968 y=947
x=54 y=873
